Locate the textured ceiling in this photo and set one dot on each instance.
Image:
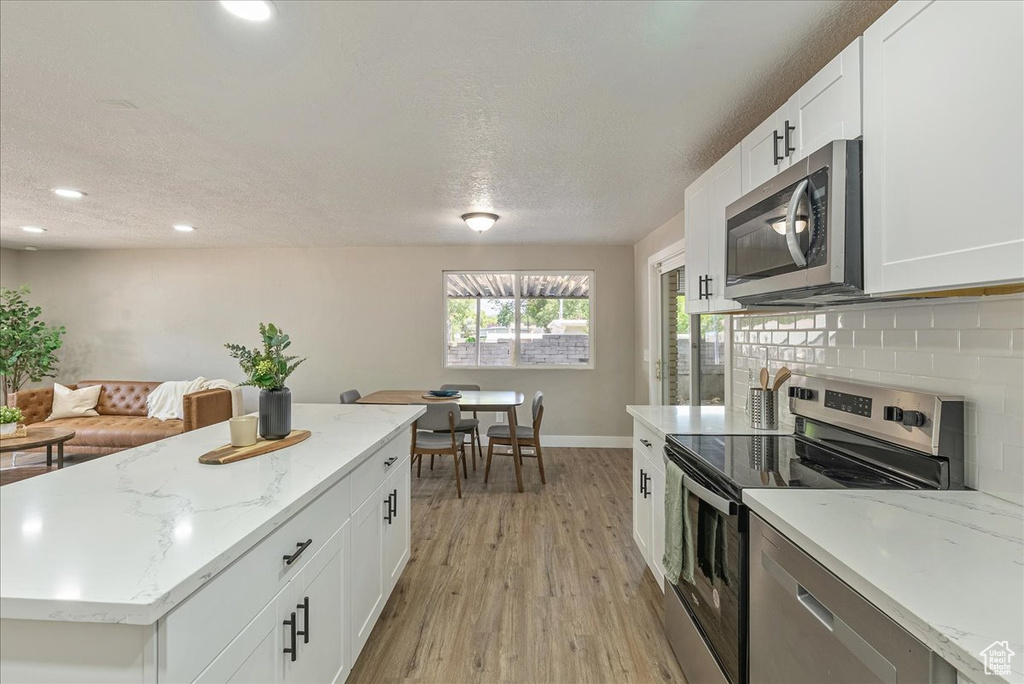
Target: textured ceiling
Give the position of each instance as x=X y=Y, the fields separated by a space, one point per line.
x=381 y=123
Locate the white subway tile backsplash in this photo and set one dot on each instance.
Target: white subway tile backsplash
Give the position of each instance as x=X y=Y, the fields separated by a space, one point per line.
x=913 y=363
x=938 y=340
x=956 y=315
x=964 y=347
x=985 y=342
x=955 y=366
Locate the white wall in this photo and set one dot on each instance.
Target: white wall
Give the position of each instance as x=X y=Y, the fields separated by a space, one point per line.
x=368 y=318
x=963 y=347
x=10 y=274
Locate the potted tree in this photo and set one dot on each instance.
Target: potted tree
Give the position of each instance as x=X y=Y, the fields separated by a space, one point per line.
x=28 y=347
x=268 y=369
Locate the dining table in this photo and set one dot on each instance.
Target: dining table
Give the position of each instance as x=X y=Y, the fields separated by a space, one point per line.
x=498 y=401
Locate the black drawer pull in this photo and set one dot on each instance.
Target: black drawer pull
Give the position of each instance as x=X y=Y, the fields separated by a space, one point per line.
x=302 y=546
x=394 y=503
x=304 y=632
x=390 y=462
x=387 y=515
x=643 y=483
x=294 y=650
x=776 y=157
x=645 y=443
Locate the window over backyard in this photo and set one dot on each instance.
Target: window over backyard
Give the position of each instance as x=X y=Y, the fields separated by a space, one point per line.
x=534 y=319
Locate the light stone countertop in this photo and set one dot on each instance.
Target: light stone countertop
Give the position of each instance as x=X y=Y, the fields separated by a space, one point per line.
x=126 y=537
x=699 y=420
x=946 y=566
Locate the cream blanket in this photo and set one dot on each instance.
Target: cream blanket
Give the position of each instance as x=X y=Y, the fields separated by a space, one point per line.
x=166 y=402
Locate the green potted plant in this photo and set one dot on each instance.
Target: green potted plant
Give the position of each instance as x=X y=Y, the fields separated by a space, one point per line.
x=268 y=369
x=9 y=419
x=28 y=347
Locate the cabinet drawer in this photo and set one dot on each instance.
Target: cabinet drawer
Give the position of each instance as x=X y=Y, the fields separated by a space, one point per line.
x=191 y=635
x=650 y=444
x=373 y=471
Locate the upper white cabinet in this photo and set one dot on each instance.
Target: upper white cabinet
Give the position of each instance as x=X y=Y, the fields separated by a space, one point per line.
x=826 y=108
x=943 y=146
x=706 y=200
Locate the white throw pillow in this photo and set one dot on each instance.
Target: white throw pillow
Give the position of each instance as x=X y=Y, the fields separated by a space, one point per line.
x=80 y=403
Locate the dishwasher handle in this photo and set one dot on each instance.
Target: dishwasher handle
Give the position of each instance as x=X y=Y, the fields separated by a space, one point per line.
x=815 y=607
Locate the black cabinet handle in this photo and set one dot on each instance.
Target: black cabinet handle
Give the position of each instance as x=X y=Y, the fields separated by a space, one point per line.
x=288 y=560
x=645 y=443
x=700 y=287
x=390 y=462
x=388 y=515
x=647 y=486
x=789 y=129
x=294 y=650
x=394 y=503
x=707 y=287
x=643 y=483
x=304 y=632
x=776 y=139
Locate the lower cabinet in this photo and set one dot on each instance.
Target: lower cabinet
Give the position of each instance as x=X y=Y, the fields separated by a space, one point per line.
x=367 y=584
x=398 y=524
x=649 y=498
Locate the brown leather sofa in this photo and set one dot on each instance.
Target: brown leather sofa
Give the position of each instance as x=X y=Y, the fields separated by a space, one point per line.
x=122 y=423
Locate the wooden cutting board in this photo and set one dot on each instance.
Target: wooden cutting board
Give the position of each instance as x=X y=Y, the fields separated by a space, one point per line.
x=229 y=454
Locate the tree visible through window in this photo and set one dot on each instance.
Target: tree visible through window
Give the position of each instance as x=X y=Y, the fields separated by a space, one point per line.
x=518 y=318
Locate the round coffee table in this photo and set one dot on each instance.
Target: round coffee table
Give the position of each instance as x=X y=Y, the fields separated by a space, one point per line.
x=41 y=437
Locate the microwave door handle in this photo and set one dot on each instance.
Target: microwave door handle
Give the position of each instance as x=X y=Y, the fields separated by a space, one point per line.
x=791 y=240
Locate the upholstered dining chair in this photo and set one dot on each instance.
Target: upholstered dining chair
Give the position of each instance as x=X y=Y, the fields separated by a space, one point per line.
x=435 y=433
x=471 y=426
x=500 y=435
x=350 y=396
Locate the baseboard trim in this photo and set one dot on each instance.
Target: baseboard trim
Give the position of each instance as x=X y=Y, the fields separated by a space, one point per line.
x=587 y=441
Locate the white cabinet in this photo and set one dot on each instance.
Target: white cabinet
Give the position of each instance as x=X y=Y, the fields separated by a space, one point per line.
x=762 y=151
x=706 y=200
x=397 y=528
x=649 y=498
x=255 y=655
x=943 y=146
x=826 y=108
x=366 y=589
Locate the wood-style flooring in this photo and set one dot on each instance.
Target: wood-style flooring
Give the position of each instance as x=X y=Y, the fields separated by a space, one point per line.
x=543 y=586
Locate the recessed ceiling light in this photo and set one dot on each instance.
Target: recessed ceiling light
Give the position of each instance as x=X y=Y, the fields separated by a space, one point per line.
x=250 y=10
x=33 y=229
x=30 y=248
x=68 y=193
x=480 y=220
x=182 y=228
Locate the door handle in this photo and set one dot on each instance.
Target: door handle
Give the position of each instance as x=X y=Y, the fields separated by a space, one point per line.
x=643 y=483
x=294 y=650
x=394 y=503
x=789 y=129
x=647 y=485
x=791 y=240
x=776 y=139
x=387 y=516
x=304 y=632
x=815 y=607
x=288 y=560
x=707 y=287
x=719 y=503
x=645 y=443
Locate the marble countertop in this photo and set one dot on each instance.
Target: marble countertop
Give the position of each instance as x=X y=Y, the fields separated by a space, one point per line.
x=946 y=566
x=706 y=420
x=126 y=537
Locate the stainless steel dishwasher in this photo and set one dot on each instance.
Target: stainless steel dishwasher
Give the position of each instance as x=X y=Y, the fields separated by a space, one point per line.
x=808 y=627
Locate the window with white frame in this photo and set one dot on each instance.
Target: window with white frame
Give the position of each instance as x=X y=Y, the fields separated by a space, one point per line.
x=518 y=319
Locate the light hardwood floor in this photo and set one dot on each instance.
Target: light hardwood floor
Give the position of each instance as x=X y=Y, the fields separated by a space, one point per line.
x=543 y=586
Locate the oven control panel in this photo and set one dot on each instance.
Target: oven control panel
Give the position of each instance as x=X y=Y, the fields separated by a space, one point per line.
x=848 y=403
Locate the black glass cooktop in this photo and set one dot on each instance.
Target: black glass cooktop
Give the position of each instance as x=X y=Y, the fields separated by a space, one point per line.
x=739 y=462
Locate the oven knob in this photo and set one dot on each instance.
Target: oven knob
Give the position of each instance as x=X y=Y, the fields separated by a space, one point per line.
x=913 y=418
x=801 y=393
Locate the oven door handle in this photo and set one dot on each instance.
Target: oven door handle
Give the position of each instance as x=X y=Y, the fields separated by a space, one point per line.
x=791 y=240
x=719 y=503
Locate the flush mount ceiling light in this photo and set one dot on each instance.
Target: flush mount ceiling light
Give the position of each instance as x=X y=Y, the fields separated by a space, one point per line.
x=182 y=228
x=68 y=193
x=479 y=220
x=250 y=10
x=33 y=229
x=30 y=248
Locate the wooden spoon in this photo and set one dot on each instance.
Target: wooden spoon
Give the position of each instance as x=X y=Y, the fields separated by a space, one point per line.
x=764 y=378
x=782 y=376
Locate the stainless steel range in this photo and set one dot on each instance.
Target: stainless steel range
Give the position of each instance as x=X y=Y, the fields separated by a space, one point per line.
x=846 y=435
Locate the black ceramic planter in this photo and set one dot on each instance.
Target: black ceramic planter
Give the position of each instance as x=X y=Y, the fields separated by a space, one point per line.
x=275 y=413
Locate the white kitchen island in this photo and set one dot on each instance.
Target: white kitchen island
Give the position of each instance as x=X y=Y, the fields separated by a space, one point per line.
x=145 y=566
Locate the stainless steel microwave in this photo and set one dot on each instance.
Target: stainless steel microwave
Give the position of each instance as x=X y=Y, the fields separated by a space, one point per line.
x=797 y=239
